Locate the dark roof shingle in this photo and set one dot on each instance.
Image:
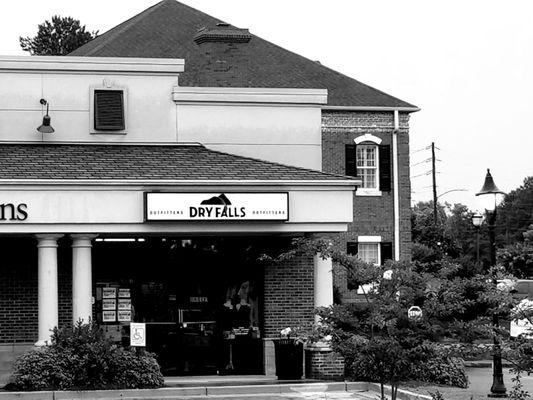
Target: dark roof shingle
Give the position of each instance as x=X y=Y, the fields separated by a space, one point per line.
x=167 y=30
x=141 y=162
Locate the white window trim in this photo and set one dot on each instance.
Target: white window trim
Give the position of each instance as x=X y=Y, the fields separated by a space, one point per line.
x=369 y=192
x=379 y=251
x=107 y=85
x=369 y=239
x=367 y=137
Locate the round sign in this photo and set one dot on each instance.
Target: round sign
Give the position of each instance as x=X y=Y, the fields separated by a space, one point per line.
x=414 y=312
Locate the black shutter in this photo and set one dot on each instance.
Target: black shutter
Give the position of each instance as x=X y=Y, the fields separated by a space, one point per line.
x=351 y=160
x=386 y=252
x=352 y=248
x=384 y=168
x=108 y=110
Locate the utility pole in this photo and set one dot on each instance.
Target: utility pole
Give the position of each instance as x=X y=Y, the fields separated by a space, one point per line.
x=434 y=173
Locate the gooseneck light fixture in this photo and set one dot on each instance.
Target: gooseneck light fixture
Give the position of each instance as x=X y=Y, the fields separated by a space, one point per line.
x=45 y=126
x=489 y=194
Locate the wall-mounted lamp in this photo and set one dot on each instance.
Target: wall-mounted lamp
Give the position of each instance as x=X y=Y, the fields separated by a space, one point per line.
x=45 y=127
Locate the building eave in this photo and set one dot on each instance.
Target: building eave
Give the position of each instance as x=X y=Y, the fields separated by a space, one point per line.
x=370 y=108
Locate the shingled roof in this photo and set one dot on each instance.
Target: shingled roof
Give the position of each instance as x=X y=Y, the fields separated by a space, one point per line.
x=169 y=28
x=142 y=162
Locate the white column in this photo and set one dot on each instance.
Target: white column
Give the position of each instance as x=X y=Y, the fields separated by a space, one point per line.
x=323 y=281
x=81 y=278
x=47 y=286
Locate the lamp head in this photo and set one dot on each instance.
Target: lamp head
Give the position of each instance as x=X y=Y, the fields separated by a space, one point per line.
x=477 y=219
x=45 y=127
x=489 y=188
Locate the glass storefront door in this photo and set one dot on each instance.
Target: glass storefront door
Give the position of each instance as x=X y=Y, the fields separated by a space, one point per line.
x=200 y=299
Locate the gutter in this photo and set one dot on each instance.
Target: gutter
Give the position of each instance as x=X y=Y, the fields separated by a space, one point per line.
x=370 y=108
x=182 y=182
x=396 y=185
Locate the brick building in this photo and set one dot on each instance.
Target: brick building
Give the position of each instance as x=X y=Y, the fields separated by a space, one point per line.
x=176 y=107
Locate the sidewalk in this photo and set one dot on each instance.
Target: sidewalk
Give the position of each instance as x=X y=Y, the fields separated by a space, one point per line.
x=279 y=391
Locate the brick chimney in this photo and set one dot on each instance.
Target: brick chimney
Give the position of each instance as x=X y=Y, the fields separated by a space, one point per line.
x=225 y=50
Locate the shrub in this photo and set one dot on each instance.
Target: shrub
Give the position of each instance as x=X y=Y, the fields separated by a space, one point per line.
x=80 y=357
x=135 y=370
x=442 y=370
x=42 y=369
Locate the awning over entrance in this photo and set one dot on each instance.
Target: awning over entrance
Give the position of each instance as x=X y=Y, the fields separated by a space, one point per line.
x=95 y=188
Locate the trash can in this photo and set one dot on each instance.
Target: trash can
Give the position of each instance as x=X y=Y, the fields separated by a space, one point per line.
x=289 y=359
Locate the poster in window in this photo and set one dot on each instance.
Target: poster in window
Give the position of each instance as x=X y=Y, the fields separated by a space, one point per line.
x=124 y=293
x=109 y=292
x=124 y=304
x=109 y=304
x=124 y=316
x=109 y=316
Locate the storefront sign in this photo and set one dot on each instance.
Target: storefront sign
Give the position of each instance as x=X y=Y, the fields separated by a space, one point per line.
x=138 y=334
x=216 y=206
x=13 y=212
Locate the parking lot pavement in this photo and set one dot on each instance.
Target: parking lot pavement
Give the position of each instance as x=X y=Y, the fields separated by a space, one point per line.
x=481 y=380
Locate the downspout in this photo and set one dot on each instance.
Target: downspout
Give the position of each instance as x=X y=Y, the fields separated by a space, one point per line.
x=396 y=185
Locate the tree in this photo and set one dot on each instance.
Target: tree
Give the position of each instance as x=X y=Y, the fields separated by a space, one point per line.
x=454 y=235
x=57 y=38
x=517 y=259
x=515 y=214
x=376 y=336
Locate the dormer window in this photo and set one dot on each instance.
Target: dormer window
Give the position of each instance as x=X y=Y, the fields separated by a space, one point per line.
x=109 y=110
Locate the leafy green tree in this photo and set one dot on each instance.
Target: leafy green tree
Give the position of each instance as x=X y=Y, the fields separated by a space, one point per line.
x=57 y=38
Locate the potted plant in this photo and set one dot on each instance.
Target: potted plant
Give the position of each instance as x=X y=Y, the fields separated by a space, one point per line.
x=289 y=350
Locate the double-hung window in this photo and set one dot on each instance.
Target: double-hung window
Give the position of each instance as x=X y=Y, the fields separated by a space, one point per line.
x=369 y=160
x=369 y=252
x=367 y=165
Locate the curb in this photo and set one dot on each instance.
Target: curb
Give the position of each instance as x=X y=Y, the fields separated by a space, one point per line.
x=319 y=390
x=402 y=394
x=485 y=364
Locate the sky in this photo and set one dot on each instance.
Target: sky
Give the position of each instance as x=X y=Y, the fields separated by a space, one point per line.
x=467 y=64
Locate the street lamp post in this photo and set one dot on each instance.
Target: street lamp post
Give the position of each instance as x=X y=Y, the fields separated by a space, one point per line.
x=477 y=219
x=489 y=192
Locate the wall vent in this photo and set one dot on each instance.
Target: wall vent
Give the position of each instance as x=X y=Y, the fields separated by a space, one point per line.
x=109 y=110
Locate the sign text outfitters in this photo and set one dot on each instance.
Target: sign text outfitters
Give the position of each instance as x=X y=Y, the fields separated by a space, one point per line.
x=216 y=206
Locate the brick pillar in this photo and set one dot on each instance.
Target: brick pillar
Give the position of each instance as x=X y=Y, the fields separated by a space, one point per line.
x=289 y=301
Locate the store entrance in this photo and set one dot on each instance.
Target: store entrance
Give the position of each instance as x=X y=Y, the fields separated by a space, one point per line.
x=200 y=300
